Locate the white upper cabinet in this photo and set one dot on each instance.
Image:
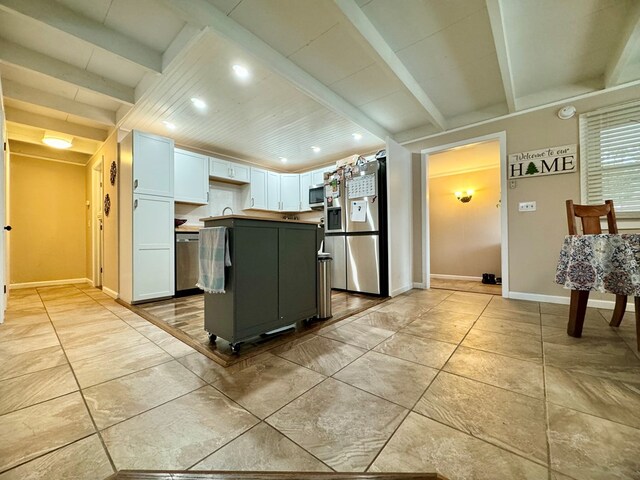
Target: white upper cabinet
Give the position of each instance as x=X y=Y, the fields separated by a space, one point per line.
x=153 y=165
x=305 y=183
x=228 y=171
x=317 y=176
x=290 y=192
x=273 y=192
x=258 y=189
x=191 y=180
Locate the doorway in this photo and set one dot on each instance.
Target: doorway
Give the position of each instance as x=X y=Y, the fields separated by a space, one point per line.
x=464 y=219
x=97 y=220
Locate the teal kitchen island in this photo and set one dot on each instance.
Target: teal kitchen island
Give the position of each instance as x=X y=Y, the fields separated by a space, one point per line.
x=272 y=280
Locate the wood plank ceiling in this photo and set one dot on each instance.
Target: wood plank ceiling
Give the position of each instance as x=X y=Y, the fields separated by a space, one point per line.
x=319 y=70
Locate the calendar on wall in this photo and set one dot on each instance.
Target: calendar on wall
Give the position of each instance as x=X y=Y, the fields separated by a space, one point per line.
x=363 y=186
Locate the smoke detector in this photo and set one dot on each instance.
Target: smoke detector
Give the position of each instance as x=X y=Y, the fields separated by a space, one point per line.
x=565 y=113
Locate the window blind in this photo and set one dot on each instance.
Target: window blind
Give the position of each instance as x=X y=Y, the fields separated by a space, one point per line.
x=610 y=157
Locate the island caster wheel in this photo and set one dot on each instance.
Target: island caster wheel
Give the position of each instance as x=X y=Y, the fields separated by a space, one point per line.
x=235 y=347
x=212 y=338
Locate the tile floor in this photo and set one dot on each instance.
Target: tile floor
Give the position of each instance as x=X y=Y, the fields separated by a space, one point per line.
x=470 y=385
x=466 y=286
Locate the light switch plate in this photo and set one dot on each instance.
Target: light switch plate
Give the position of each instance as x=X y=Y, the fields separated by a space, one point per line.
x=527 y=207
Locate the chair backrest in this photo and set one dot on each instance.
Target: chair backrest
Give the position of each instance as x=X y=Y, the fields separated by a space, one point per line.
x=590 y=217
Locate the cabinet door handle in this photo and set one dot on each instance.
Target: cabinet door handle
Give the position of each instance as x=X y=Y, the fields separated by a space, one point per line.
x=233 y=172
x=252 y=202
x=135 y=203
x=230 y=172
x=135 y=184
x=207 y=197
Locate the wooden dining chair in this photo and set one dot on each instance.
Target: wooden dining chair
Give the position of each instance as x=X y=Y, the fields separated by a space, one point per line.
x=590 y=216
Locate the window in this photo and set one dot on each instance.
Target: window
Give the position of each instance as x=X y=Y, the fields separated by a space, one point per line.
x=610 y=158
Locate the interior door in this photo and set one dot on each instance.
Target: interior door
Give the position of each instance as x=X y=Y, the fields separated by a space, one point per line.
x=3 y=272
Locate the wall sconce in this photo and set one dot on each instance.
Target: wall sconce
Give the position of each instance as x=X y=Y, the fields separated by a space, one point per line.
x=464 y=198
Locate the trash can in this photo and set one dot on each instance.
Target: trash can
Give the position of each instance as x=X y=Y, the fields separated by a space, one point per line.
x=324 y=285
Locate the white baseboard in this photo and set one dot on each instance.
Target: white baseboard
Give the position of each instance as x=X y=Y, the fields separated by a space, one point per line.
x=90 y=282
x=48 y=283
x=400 y=290
x=454 y=277
x=535 y=297
x=419 y=285
x=110 y=292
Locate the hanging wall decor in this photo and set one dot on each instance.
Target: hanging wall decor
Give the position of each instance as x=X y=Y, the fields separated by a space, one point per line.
x=107 y=204
x=113 y=172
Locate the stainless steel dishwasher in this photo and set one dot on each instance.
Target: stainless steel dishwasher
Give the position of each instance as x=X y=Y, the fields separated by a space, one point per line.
x=187 y=269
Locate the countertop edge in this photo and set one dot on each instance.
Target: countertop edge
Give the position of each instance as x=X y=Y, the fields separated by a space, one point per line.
x=250 y=217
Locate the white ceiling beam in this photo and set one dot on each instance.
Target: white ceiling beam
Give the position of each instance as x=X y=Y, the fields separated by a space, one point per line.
x=494 y=7
x=21 y=117
x=629 y=41
x=200 y=12
x=22 y=93
x=14 y=54
x=362 y=23
x=58 y=16
x=44 y=152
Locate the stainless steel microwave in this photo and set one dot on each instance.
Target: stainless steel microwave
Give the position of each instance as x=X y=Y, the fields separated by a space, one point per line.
x=316 y=197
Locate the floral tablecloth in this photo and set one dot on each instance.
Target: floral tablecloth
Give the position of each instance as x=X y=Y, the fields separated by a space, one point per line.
x=606 y=263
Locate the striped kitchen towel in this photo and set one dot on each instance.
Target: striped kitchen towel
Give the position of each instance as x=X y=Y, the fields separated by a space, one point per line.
x=213 y=258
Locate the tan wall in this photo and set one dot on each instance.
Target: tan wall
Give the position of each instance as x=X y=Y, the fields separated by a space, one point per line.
x=107 y=153
x=534 y=238
x=47 y=215
x=465 y=237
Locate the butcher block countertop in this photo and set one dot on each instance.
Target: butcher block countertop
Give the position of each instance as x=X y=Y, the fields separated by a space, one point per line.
x=189 y=228
x=250 y=217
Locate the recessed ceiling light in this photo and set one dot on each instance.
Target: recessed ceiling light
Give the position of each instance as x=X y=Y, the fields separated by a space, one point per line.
x=169 y=125
x=198 y=103
x=357 y=136
x=315 y=149
x=57 y=140
x=241 y=71
x=283 y=159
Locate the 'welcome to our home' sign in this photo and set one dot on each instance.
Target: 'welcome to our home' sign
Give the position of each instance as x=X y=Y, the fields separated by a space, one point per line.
x=548 y=161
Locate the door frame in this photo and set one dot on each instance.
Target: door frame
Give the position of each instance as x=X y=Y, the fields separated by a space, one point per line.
x=97 y=220
x=504 y=214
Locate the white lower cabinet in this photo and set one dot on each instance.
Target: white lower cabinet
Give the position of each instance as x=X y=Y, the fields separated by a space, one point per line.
x=290 y=192
x=153 y=247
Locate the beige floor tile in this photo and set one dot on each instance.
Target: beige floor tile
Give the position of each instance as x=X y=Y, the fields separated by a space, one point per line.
x=522 y=317
x=269 y=451
x=110 y=365
x=339 y=424
x=27 y=344
x=424 y=351
x=408 y=307
x=437 y=330
x=599 y=396
x=509 y=420
x=588 y=447
x=440 y=314
x=525 y=347
x=333 y=326
x=388 y=377
x=321 y=354
x=205 y=368
x=32 y=388
x=513 y=374
x=461 y=307
x=563 y=310
x=388 y=320
x=422 y=445
x=29 y=362
x=84 y=459
x=124 y=397
x=267 y=386
x=363 y=336
x=13 y=330
x=166 y=341
x=508 y=304
x=470 y=298
x=178 y=434
x=592 y=355
x=508 y=327
x=32 y=431
x=101 y=342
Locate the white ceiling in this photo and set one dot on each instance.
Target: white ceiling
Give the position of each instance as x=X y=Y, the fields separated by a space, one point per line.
x=465 y=159
x=321 y=69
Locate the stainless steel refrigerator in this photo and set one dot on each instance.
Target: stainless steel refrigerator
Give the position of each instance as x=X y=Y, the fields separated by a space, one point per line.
x=356 y=227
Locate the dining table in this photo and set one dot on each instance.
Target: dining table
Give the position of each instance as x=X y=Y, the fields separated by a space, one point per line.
x=608 y=263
